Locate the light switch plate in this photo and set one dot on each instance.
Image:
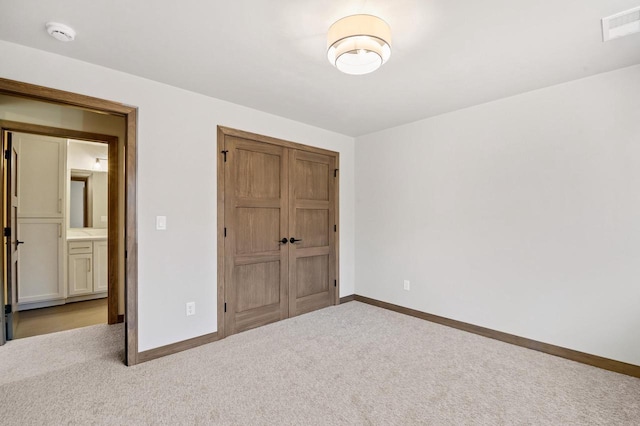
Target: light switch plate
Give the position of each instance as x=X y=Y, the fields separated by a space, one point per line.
x=161 y=223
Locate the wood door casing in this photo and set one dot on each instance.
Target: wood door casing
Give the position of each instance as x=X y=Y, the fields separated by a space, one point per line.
x=256 y=263
x=312 y=268
x=270 y=189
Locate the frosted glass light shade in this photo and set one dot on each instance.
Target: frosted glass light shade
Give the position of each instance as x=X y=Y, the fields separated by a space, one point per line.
x=359 y=44
x=101 y=163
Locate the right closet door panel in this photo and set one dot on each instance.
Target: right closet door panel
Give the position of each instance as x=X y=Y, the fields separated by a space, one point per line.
x=311 y=225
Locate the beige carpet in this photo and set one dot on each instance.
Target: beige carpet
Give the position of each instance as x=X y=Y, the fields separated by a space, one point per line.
x=350 y=364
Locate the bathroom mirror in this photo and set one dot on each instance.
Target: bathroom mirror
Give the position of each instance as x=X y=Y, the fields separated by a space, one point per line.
x=79 y=206
x=88 y=199
x=87 y=163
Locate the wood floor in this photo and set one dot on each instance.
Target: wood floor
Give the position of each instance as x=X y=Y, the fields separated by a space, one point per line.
x=60 y=318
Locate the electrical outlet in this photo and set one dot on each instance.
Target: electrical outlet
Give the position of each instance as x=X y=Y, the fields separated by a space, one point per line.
x=407 y=285
x=191 y=308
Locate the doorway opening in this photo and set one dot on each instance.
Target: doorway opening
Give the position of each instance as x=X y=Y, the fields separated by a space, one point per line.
x=57 y=232
x=118 y=237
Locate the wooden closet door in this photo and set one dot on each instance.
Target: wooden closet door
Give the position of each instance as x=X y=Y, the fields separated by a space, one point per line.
x=256 y=262
x=312 y=268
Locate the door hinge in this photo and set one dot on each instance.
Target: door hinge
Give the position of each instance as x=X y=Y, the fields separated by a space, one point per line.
x=7 y=155
x=335 y=283
x=335 y=228
x=7 y=309
x=335 y=172
x=225 y=306
x=225 y=155
x=126 y=254
x=7 y=232
x=225 y=232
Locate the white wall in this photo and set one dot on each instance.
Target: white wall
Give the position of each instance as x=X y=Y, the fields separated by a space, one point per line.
x=521 y=215
x=177 y=151
x=82 y=155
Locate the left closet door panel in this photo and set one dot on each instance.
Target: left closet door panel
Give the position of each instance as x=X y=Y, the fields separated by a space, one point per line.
x=256 y=222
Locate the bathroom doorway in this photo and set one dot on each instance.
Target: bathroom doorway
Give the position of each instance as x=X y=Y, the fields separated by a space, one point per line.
x=77 y=116
x=61 y=273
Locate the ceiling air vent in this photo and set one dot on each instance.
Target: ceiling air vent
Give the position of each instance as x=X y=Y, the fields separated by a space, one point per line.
x=621 y=24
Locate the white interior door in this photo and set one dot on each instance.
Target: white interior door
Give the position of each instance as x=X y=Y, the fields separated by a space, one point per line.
x=11 y=239
x=14 y=242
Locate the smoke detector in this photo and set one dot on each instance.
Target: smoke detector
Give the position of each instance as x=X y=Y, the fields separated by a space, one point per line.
x=61 y=32
x=621 y=24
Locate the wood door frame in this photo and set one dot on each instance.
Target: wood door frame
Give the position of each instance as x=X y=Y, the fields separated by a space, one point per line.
x=130 y=260
x=223 y=132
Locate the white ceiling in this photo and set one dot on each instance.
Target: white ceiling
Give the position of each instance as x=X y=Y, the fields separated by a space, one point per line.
x=271 y=55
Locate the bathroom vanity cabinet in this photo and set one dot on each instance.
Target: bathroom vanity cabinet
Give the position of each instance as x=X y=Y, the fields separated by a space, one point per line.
x=87 y=267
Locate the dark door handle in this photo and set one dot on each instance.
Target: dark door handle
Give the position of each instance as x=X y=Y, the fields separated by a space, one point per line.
x=293 y=240
x=18 y=242
x=283 y=241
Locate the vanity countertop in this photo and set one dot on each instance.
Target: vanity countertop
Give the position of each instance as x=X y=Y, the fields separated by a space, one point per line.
x=84 y=234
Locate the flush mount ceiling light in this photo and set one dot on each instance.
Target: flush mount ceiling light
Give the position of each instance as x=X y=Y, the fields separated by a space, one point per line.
x=60 y=32
x=359 y=44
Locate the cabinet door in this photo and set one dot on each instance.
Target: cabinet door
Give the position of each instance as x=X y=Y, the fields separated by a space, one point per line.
x=100 y=273
x=40 y=176
x=39 y=260
x=80 y=274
